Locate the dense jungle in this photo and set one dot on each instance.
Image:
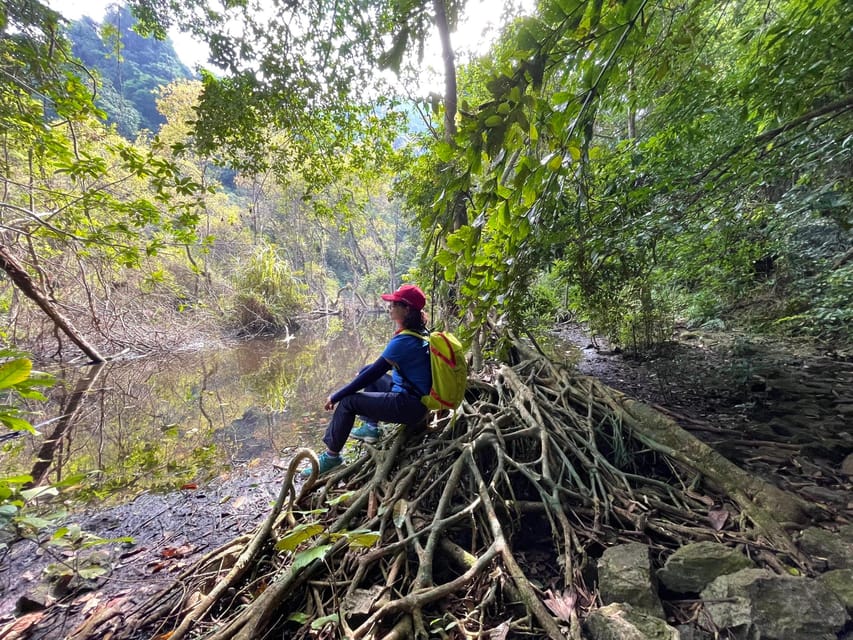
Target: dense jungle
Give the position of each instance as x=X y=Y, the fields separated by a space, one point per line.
x=636 y=215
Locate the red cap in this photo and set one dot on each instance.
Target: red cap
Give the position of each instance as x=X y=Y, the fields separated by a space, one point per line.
x=408 y=293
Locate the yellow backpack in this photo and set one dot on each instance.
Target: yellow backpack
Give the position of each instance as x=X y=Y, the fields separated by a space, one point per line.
x=449 y=370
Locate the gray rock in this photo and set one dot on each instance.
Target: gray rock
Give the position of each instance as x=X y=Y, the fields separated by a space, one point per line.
x=847 y=465
x=624 y=575
x=688 y=632
x=620 y=621
x=840 y=582
x=755 y=603
x=835 y=548
x=694 y=566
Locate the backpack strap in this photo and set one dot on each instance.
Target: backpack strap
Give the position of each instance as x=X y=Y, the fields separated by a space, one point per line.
x=408 y=382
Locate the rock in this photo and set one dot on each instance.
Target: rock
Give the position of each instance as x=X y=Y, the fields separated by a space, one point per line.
x=36 y=600
x=840 y=582
x=688 y=632
x=834 y=548
x=624 y=575
x=620 y=621
x=755 y=603
x=847 y=465
x=694 y=566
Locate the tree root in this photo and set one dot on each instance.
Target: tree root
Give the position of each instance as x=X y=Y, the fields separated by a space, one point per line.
x=477 y=523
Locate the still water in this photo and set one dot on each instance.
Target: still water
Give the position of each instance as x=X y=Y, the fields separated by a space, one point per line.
x=159 y=424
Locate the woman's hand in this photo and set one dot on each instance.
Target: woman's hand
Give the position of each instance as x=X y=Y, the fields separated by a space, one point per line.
x=330 y=404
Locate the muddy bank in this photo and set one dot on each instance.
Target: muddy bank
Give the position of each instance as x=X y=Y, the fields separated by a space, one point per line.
x=42 y=598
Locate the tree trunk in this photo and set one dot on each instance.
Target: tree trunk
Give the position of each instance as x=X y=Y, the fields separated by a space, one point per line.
x=449 y=70
x=25 y=284
x=459 y=212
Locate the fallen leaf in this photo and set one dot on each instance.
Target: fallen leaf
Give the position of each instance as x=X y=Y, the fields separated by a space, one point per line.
x=500 y=632
x=18 y=628
x=718 y=518
x=239 y=502
x=562 y=605
x=361 y=601
x=177 y=552
x=190 y=485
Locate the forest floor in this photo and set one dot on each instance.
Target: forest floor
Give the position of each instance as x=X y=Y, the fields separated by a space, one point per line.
x=778 y=409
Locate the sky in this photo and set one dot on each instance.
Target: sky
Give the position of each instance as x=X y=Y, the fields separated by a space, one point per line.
x=482 y=17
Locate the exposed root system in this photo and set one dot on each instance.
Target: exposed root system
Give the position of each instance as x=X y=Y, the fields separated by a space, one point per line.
x=490 y=521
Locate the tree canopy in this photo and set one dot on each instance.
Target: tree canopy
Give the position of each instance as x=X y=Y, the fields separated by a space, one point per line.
x=645 y=159
x=628 y=165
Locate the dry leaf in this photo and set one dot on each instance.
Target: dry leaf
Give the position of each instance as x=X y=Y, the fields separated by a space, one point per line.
x=20 y=628
x=89 y=604
x=718 y=518
x=361 y=601
x=562 y=605
x=501 y=632
x=177 y=552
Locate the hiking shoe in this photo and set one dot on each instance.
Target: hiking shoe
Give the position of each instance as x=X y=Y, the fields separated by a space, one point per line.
x=327 y=463
x=368 y=433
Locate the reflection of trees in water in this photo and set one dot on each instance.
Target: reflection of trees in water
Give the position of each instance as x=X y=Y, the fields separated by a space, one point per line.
x=154 y=424
x=291 y=379
x=49 y=453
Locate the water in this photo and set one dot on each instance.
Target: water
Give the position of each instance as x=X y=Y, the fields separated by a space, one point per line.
x=159 y=424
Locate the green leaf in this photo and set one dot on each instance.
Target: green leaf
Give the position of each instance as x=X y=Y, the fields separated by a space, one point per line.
x=299 y=617
x=363 y=538
x=503 y=213
x=96 y=541
x=95 y=571
x=17 y=424
x=35 y=523
x=14 y=372
x=38 y=492
x=73 y=479
x=298 y=535
x=393 y=58
x=344 y=497
x=529 y=34
x=8 y=511
x=319 y=623
x=304 y=558
x=444 y=151
x=22 y=479
x=59 y=533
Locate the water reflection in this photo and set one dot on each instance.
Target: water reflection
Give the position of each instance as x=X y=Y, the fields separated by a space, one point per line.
x=157 y=424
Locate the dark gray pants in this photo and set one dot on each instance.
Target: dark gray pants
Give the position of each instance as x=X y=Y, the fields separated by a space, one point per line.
x=376 y=403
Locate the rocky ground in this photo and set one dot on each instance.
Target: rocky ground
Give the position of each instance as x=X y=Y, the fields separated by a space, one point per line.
x=783 y=411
